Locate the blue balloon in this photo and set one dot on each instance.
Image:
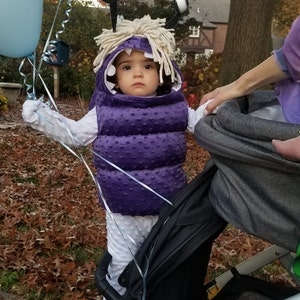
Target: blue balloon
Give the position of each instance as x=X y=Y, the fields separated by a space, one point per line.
x=20 y=26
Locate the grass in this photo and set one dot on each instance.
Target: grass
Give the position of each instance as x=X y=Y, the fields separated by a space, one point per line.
x=9 y=278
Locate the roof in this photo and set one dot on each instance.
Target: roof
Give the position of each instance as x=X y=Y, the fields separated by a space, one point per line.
x=213 y=11
x=206 y=11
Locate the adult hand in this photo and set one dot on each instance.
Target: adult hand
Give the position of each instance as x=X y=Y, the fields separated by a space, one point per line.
x=220 y=95
x=288 y=148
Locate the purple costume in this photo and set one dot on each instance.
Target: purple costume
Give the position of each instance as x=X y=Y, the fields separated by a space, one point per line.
x=288 y=90
x=144 y=136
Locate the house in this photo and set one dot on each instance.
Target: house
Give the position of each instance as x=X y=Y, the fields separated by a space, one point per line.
x=206 y=38
x=210 y=36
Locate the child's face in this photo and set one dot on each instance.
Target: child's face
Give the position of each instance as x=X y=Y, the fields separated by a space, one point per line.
x=136 y=75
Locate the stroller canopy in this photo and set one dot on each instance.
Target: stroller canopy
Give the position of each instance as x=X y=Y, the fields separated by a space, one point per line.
x=254 y=188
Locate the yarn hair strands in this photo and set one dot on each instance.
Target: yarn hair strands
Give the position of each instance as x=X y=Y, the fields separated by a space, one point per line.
x=161 y=40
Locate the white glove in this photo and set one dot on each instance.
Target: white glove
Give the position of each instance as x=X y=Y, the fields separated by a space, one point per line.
x=41 y=117
x=30 y=107
x=196 y=115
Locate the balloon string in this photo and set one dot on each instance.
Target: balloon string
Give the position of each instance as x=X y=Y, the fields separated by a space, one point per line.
x=32 y=96
x=44 y=85
x=29 y=88
x=37 y=70
x=67 y=13
x=49 y=35
x=78 y=142
x=99 y=189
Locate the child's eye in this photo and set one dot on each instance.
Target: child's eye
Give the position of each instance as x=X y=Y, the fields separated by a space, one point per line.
x=126 y=68
x=149 y=66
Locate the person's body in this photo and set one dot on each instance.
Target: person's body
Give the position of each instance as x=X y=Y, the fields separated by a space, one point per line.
x=282 y=68
x=137 y=121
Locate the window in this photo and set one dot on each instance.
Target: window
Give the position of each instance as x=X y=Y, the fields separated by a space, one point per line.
x=194 y=31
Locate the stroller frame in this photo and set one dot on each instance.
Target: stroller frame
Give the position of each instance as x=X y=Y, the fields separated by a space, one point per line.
x=252 y=264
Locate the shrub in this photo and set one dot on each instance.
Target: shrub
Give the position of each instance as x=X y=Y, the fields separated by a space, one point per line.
x=3 y=102
x=201 y=76
x=9 y=69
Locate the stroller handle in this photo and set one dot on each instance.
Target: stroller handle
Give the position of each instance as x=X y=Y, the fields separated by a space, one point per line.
x=103 y=286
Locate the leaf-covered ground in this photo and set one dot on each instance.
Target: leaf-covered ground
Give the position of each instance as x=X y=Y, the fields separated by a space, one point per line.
x=52 y=230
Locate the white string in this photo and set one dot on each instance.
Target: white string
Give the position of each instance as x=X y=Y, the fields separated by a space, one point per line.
x=45 y=86
x=78 y=142
x=162 y=43
x=65 y=21
x=98 y=187
x=49 y=35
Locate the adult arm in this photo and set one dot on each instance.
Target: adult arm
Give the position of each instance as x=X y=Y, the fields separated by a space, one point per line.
x=267 y=72
x=282 y=64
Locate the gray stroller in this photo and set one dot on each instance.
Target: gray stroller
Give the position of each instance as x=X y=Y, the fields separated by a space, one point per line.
x=245 y=183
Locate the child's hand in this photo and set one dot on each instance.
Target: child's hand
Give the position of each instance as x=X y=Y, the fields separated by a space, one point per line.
x=30 y=108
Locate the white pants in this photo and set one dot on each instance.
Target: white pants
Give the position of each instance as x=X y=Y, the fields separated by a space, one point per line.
x=125 y=235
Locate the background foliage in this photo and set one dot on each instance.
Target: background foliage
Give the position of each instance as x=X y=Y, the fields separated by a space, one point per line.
x=77 y=78
x=286 y=11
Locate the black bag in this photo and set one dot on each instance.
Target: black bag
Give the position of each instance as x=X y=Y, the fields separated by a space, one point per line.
x=245 y=287
x=180 y=231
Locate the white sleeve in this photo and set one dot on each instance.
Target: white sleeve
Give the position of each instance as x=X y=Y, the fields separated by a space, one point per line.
x=273 y=112
x=196 y=115
x=41 y=117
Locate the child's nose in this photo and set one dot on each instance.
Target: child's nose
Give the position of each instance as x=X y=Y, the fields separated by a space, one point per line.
x=138 y=72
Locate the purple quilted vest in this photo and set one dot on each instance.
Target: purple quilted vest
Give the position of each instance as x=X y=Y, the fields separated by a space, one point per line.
x=144 y=137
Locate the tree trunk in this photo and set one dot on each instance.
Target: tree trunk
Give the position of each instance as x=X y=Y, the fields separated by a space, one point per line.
x=248 y=40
